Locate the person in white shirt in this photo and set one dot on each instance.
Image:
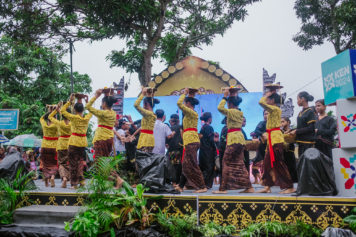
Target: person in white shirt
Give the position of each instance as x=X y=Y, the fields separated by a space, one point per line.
x=120 y=136
x=161 y=131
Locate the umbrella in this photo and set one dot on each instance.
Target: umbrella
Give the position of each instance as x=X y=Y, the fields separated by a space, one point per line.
x=26 y=140
x=3 y=139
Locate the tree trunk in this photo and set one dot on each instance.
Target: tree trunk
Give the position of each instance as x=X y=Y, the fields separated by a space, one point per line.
x=146 y=68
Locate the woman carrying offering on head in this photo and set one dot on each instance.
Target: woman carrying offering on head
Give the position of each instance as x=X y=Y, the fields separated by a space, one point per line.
x=146 y=141
x=275 y=169
x=48 y=149
x=234 y=172
x=104 y=135
x=191 y=171
x=64 y=129
x=78 y=139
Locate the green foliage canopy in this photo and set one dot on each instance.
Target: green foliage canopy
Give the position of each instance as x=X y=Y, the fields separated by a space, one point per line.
x=31 y=77
x=167 y=29
x=326 y=20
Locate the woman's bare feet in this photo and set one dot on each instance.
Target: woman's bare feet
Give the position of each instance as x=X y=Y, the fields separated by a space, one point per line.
x=52 y=182
x=46 y=182
x=288 y=190
x=203 y=190
x=64 y=183
x=248 y=190
x=219 y=192
x=264 y=190
x=74 y=187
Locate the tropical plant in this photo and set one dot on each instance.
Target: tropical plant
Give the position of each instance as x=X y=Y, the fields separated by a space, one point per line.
x=213 y=229
x=351 y=220
x=280 y=229
x=178 y=226
x=107 y=207
x=12 y=192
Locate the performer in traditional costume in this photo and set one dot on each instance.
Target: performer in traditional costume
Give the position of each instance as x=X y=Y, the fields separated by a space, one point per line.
x=234 y=172
x=48 y=149
x=64 y=129
x=275 y=170
x=191 y=142
x=289 y=148
x=305 y=132
x=78 y=139
x=325 y=129
x=257 y=162
x=104 y=135
x=207 y=152
x=146 y=141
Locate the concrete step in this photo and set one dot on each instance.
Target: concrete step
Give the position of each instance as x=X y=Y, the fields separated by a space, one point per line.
x=45 y=216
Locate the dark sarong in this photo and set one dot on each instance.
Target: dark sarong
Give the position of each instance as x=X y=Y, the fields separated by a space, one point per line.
x=63 y=163
x=291 y=163
x=281 y=174
x=103 y=148
x=324 y=148
x=76 y=156
x=190 y=167
x=234 y=172
x=49 y=162
x=175 y=157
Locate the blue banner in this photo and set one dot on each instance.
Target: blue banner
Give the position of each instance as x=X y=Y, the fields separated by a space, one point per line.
x=9 y=119
x=339 y=76
x=208 y=103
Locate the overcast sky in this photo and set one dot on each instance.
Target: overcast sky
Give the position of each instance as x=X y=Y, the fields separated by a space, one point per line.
x=263 y=40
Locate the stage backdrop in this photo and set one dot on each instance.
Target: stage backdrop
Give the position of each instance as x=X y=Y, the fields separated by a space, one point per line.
x=208 y=103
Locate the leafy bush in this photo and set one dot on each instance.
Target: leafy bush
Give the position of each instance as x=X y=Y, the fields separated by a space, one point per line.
x=12 y=192
x=280 y=229
x=186 y=226
x=108 y=207
x=212 y=229
x=351 y=220
x=178 y=226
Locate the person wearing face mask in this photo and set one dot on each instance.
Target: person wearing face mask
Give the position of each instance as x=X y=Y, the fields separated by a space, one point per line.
x=325 y=129
x=146 y=141
x=275 y=170
x=207 y=152
x=192 y=174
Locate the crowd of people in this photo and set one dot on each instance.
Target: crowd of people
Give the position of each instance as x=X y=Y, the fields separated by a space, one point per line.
x=199 y=159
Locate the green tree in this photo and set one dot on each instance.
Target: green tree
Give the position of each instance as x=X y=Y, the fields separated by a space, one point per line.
x=326 y=20
x=31 y=77
x=162 y=29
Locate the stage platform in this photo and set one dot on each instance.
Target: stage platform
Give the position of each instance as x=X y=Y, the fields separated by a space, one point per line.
x=232 y=208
